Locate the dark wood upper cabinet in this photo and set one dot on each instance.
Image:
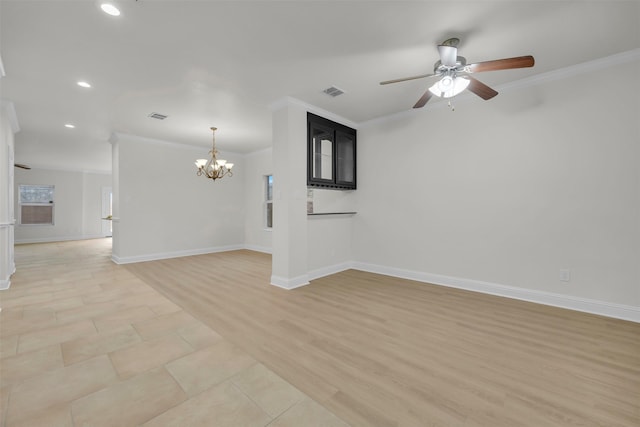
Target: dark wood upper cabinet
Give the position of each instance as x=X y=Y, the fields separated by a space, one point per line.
x=331 y=154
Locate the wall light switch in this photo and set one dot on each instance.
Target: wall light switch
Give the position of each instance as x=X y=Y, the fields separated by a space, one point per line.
x=565 y=275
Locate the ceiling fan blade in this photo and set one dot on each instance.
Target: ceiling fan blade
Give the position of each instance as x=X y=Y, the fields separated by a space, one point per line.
x=20 y=165
x=423 y=100
x=501 y=64
x=404 y=79
x=480 y=89
x=448 y=55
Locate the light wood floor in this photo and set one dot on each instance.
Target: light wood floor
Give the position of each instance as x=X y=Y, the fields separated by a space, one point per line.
x=381 y=351
x=84 y=342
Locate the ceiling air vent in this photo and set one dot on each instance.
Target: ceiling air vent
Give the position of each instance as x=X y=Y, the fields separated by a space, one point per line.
x=158 y=116
x=333 y=91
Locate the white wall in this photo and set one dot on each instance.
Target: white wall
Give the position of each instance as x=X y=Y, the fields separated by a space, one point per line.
x=256 y=235
x=162 y=209
x=330 y=237
x=509 y=191
x=77 y=210
x=330 y=247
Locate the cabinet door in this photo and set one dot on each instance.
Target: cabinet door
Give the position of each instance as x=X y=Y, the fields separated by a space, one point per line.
x=321 y=149
x=331 y=154
x=345 y=159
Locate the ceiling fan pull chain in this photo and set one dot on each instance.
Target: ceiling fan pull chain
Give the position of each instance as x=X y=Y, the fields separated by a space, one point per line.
x=453 y=108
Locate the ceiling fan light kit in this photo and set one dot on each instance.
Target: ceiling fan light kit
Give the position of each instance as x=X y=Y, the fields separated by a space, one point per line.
x=453 y=72
x=449 y=86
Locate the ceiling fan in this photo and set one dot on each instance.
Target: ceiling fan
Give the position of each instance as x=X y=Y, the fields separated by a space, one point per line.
x=21 y=166
x=454 y=73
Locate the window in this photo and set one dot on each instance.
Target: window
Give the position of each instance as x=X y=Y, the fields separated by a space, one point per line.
x=36 y=204
x=268 y=197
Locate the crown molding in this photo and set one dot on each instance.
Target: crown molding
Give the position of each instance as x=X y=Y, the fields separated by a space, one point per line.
x=63 y=169
x=122 y=138
x=573 y=70
x=268 y=150
x=288 y=100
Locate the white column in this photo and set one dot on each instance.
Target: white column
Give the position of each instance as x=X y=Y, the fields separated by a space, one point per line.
x=8 y=127
x=289 y=259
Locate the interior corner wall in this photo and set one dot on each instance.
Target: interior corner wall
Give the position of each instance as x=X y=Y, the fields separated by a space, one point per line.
x=512 y=190
x=256 y=235
x=164 y=210
x=77 y=209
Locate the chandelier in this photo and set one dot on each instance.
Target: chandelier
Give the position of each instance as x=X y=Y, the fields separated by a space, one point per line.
x=214 y=168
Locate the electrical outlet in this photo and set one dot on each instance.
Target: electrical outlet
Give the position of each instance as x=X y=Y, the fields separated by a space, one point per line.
x=565 y=275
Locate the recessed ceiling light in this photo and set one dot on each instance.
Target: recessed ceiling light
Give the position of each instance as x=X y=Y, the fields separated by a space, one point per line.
x=69 y=125
x=110 y=9
x=84 y=84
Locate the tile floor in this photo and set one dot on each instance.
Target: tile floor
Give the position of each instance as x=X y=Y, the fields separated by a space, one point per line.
x=83 y=342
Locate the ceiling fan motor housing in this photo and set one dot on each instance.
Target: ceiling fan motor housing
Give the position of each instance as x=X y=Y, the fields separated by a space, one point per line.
x=448 y=55
x=438 y=67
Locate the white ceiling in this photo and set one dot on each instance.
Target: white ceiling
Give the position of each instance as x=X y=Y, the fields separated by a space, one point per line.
x=221 y=63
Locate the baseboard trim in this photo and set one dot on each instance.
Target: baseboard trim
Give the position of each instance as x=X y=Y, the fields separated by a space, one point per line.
x=59 y=239
x=329 y=270
x=289 y=284
x=617 y=311
x=6 y=283
x=176 y=254
x=257 y=248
